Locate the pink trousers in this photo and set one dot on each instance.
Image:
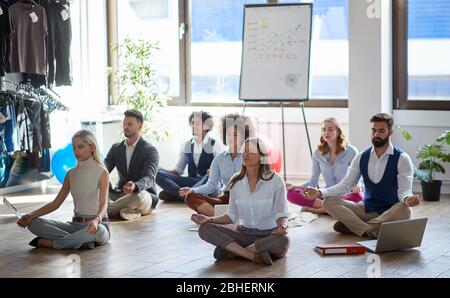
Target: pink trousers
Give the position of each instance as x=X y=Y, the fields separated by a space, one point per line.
x=297 y=197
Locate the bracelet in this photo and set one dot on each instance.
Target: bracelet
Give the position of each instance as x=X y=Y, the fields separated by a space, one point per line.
x=210 y=220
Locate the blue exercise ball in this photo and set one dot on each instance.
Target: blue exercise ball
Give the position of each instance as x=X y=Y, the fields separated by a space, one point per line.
x=63 y=160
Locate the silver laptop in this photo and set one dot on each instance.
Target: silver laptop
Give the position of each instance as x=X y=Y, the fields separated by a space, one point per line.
x=397 y=235
x=12 y=208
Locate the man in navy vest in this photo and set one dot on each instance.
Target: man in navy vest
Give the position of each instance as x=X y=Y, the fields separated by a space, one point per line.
x=197 y=154
x=387 y=172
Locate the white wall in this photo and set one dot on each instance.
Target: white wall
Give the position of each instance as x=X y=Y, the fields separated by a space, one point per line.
x=370 y=70
x=425 y=127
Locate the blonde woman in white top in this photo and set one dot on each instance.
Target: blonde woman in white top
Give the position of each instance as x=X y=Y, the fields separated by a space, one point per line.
x=88 y=184
x=258 y=201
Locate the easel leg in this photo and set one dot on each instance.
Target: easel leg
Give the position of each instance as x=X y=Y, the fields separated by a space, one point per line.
x=306 y=127
x=243 y=108
x=284 y=142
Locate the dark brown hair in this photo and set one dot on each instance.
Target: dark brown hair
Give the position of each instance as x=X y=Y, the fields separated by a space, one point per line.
x=135 y=114
x=264 y=169
x=341 y=142
x=243 y=123
x=383 y=117
x=205 y=117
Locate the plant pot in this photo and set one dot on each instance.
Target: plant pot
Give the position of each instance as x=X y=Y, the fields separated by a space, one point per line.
x=431 y=191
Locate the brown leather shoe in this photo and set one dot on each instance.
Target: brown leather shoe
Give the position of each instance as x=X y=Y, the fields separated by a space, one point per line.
x=263 y=258
x=341 y=228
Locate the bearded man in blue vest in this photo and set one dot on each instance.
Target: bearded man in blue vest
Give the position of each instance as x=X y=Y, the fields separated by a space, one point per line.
x=196 y=153
x=387 y=173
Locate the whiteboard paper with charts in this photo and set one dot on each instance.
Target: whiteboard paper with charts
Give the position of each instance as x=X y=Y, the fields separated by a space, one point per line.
x=276 y=52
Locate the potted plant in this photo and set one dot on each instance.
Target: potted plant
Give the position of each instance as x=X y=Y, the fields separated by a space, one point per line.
x=137 y=83
x=432 y=157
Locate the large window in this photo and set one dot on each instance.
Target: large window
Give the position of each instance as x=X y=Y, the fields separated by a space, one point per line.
x=201 y=44
x=422 y=54
x=156 y=21
x=216 y=44
x=329 y=49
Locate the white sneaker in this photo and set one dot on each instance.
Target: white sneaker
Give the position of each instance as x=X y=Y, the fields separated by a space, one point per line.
x=129 y=214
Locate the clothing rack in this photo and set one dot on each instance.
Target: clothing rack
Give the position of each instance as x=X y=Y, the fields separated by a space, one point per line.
x=43 y=93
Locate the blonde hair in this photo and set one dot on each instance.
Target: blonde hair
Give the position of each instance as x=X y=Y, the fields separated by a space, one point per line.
x=90 y=139
x=264 y=168
x=341 y=142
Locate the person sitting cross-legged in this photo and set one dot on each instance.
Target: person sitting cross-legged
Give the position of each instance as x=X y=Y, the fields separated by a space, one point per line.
x=258 y=202
x=235 y=129
x=88 y=184
x=387 y=172
x=136 y=162
x=331 y=159
x=197 y=154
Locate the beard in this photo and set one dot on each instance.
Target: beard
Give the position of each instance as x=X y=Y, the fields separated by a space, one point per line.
x=378 y=142
x=127 y=133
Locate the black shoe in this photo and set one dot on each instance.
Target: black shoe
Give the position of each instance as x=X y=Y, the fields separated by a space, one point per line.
x=34 y=242
x=223 y=254
x=166 y=197
x=155 y=200
x=341 y=228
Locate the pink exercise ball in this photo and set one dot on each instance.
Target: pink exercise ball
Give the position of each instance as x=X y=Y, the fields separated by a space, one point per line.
x=273 y=151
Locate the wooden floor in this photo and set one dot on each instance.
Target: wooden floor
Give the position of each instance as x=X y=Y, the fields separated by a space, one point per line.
x=161 y=245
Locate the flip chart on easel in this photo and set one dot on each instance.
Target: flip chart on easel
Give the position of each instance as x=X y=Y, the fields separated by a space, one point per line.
x=276 y=52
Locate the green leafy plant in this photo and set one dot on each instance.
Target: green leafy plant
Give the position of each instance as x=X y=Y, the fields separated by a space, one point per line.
x=432 y=155
x=137 y=84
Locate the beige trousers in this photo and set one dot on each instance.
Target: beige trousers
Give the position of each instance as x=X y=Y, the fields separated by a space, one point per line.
x=139 y=200
x=354 y=216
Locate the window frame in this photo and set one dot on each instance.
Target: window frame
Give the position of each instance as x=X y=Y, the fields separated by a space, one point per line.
x=185 y=98
x=400 y=64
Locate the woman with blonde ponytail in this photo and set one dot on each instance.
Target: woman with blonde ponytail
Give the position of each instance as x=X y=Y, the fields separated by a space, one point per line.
x=88 y=184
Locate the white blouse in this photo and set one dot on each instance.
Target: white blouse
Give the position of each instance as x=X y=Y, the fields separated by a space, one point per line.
x=259 y=209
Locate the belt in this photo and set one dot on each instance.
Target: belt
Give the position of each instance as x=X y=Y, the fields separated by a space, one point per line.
x=87 y=219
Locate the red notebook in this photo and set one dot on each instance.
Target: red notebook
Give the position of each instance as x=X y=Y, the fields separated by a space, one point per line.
x=341 y=249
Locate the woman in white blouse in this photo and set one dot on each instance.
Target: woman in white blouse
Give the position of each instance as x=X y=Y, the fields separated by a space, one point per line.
x=258 y=201
x=88 y=184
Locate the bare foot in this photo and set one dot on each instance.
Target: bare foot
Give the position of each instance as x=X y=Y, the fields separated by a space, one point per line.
x=314 y=210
